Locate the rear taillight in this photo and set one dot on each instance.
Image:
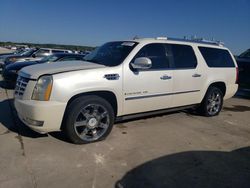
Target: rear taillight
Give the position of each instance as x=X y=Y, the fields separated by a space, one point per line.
x=237 y=75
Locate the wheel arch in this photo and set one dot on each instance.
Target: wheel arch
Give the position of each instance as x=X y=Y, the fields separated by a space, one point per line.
x=105 y=94
x=220 y=85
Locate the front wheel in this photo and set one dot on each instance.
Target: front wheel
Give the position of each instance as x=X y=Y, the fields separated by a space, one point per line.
x=212 y=102
x=88 y=119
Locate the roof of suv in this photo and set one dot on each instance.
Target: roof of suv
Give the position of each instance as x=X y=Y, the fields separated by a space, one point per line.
x=201 y=41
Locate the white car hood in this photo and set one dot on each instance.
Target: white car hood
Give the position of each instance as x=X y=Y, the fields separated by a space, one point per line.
x=34 y=71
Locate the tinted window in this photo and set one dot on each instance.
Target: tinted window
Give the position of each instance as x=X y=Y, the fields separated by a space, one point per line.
x=42 y=52
x=28 y=52
x=217 y=57
x=184 y=57
x=157 y=54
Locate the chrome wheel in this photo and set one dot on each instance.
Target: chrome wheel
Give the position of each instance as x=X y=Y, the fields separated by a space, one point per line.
x=92 y=122
x=214 y=103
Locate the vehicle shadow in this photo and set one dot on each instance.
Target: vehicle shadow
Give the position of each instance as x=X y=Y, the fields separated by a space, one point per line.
x=9 y=119
x=237 y=108
x=206 y=169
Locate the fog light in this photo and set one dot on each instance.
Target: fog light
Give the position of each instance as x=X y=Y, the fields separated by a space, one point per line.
x=33 y=122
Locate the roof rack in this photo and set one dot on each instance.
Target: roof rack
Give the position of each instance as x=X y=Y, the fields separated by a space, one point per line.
x=199 y=40
x=193 y=39
x=161 y=38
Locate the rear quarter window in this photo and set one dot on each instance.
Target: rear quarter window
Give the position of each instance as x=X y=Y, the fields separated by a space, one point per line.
x=217 y=57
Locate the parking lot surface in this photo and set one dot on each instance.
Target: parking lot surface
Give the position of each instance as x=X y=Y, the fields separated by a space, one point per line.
x=178 y=149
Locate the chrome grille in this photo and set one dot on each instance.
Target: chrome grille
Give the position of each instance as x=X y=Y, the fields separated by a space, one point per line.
x=21 y=84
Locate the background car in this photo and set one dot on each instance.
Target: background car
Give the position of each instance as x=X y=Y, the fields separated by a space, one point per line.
x=243 y=62
x=12 y=53
x=41 y=53
x=10 y=72
x=13 y=58
x=3 y=57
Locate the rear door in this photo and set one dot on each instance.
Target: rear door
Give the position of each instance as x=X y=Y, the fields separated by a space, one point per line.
x=188 y=77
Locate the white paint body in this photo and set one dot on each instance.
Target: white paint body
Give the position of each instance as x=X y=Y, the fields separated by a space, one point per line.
x=84 y=78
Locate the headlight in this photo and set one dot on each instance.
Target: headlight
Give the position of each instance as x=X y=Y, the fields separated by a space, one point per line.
x=43 y=88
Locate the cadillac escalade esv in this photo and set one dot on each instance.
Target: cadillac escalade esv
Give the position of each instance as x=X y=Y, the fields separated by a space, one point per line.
x=124 y=79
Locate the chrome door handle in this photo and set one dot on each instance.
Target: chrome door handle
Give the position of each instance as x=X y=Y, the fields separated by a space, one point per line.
x=196 y=75
x=165 y=77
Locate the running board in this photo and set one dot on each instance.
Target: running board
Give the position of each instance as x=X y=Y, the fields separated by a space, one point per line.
x=151 y=113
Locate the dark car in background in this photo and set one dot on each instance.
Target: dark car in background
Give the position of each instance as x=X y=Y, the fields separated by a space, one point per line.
x=34 y=55
x=243 y=62
x=6 y=55
x=13 y=58
x=10 y=72
x=19 y=51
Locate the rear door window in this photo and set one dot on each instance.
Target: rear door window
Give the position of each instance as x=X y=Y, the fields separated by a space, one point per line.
x=217 y=57
x=183 y=56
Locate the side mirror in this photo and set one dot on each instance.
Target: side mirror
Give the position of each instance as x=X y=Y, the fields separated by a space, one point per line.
x=142 y=63
x=34 y=55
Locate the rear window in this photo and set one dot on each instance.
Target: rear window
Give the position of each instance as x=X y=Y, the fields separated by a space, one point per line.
x=217 y=57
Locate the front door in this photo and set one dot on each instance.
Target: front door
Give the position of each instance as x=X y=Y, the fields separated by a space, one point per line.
x=148 y=90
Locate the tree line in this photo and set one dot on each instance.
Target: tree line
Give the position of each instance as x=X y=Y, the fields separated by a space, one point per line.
x=58 y=46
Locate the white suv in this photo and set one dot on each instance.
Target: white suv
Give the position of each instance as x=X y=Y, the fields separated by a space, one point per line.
x=124 y=79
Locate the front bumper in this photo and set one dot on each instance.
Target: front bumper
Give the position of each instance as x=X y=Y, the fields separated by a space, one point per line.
x=50 y=113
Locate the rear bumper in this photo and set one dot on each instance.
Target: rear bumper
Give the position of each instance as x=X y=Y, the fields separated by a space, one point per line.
x=50 y=113
x=231 y=90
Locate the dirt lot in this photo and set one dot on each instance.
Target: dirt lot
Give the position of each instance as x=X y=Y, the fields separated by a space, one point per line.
x=171 y=150
x=5 y=50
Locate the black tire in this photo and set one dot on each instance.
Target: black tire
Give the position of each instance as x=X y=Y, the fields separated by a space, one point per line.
x=204 y=108
x=74 y=111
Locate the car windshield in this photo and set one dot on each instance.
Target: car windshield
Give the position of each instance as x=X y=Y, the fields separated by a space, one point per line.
x=27 y=52
x=245 y=54
x=20 y=51
x=111 y=54
x=50 y=58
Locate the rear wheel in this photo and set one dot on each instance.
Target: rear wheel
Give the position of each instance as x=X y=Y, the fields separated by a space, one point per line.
x=88 y=119
x=212 y=102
